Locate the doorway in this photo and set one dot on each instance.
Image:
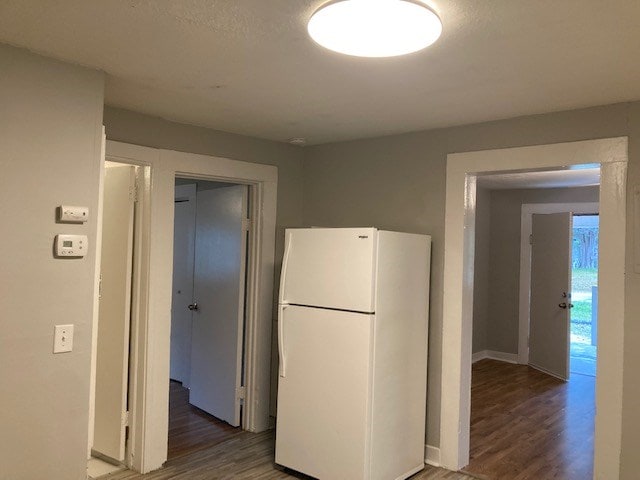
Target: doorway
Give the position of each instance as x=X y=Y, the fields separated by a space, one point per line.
x=584 y=294
x=151 y=333
x=210 y=249
x=462 y=172
x=510 y=402
x=562 y=250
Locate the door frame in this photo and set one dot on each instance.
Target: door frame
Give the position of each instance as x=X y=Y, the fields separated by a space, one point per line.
x=460 y=207
x=526 y=225
x=149 y=379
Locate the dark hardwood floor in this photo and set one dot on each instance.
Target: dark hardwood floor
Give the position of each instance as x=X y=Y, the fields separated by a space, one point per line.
x=202 y=447
x=191 y=429
x=528 y=425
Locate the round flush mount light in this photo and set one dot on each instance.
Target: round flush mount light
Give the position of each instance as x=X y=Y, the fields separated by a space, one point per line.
x=375 y=28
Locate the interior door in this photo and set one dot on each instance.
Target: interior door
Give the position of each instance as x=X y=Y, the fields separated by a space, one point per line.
x=182 y=296
x=549 y=327
x=219 y=285
x=114 y=319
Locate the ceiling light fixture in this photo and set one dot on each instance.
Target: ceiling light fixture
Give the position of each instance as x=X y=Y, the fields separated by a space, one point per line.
x=375 y=28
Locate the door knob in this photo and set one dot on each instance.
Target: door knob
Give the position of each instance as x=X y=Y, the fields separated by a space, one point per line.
x=193 y=306
x=565 y=305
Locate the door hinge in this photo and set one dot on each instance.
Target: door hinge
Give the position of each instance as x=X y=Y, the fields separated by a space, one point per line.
x=133 y=193
x=100 y=287
x=241 y=393
x=125 y=419
x=531 y=239
x=246 y=224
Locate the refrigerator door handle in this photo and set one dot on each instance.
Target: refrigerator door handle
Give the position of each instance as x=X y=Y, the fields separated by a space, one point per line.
x=281 y=363
x=283 y=272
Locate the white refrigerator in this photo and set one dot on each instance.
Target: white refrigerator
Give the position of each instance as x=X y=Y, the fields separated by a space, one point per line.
x=352 y=344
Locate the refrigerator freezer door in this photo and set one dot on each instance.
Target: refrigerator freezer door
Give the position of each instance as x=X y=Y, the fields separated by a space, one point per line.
x=324 y=406
x=330 y=267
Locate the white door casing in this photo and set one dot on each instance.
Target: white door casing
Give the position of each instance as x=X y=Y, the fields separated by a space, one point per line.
x=462 y=169
x=114 y=321
x=152 y=318
x=549 y=327
x=219 y=280
x=182 y=293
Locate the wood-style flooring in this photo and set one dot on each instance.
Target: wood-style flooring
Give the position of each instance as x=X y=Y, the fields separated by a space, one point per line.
x=528 y=425
x=204 y=448
x=191 y=429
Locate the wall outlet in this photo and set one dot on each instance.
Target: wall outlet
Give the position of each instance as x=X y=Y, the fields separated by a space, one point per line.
x=62 y=338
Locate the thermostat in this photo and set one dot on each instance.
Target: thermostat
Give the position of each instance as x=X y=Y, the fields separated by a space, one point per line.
x=68 y=213
x=71 y=245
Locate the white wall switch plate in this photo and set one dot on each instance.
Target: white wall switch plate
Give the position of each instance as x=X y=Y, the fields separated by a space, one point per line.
x=62 y=338
x=69 y=213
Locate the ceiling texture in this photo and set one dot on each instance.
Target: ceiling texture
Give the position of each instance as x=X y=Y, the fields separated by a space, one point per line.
x=249 y=67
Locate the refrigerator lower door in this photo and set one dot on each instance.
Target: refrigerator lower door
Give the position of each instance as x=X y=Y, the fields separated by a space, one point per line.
x=323 y=419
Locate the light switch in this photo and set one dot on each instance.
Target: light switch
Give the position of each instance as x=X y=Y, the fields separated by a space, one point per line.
x=62 y=338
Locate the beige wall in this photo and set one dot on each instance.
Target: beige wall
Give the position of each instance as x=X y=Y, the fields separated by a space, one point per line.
x=497 y=287
x=398 y=182
x=50 y=135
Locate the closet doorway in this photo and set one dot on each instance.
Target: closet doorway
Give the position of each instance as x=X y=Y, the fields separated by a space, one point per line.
x=211 y=228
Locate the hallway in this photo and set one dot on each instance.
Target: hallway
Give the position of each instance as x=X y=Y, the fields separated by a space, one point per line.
x=526 y=424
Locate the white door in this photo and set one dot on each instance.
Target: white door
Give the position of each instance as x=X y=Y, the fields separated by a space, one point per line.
x=549 y=330
x=219 y=284
x=323 y=391
x=184 y=233
x=112 y=360
x=330 y=267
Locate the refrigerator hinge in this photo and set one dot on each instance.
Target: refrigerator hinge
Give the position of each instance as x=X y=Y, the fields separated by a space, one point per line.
x=125 y=419
x=246 y=224
x=241 y=393
x=531 y=239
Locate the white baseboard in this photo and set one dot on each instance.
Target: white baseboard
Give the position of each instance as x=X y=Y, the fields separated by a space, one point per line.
x=432 y=455
x=544 y=370
x=494 y=355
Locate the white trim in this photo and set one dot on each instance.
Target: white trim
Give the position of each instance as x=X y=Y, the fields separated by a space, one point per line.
x=150 y=360
x=528 y=209
x=481 y=355
x=494 y=355
x=462 y=170
x=432 y=455
x=96 y=299
x=548 y=372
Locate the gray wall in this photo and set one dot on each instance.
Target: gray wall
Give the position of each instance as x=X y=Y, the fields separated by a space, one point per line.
x=50 y=134
x=481 y=270
x=499 y=290
x=398 y=182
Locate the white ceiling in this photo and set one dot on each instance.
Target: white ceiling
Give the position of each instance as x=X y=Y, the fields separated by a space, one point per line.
x=581 y=177
x=248 y=66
